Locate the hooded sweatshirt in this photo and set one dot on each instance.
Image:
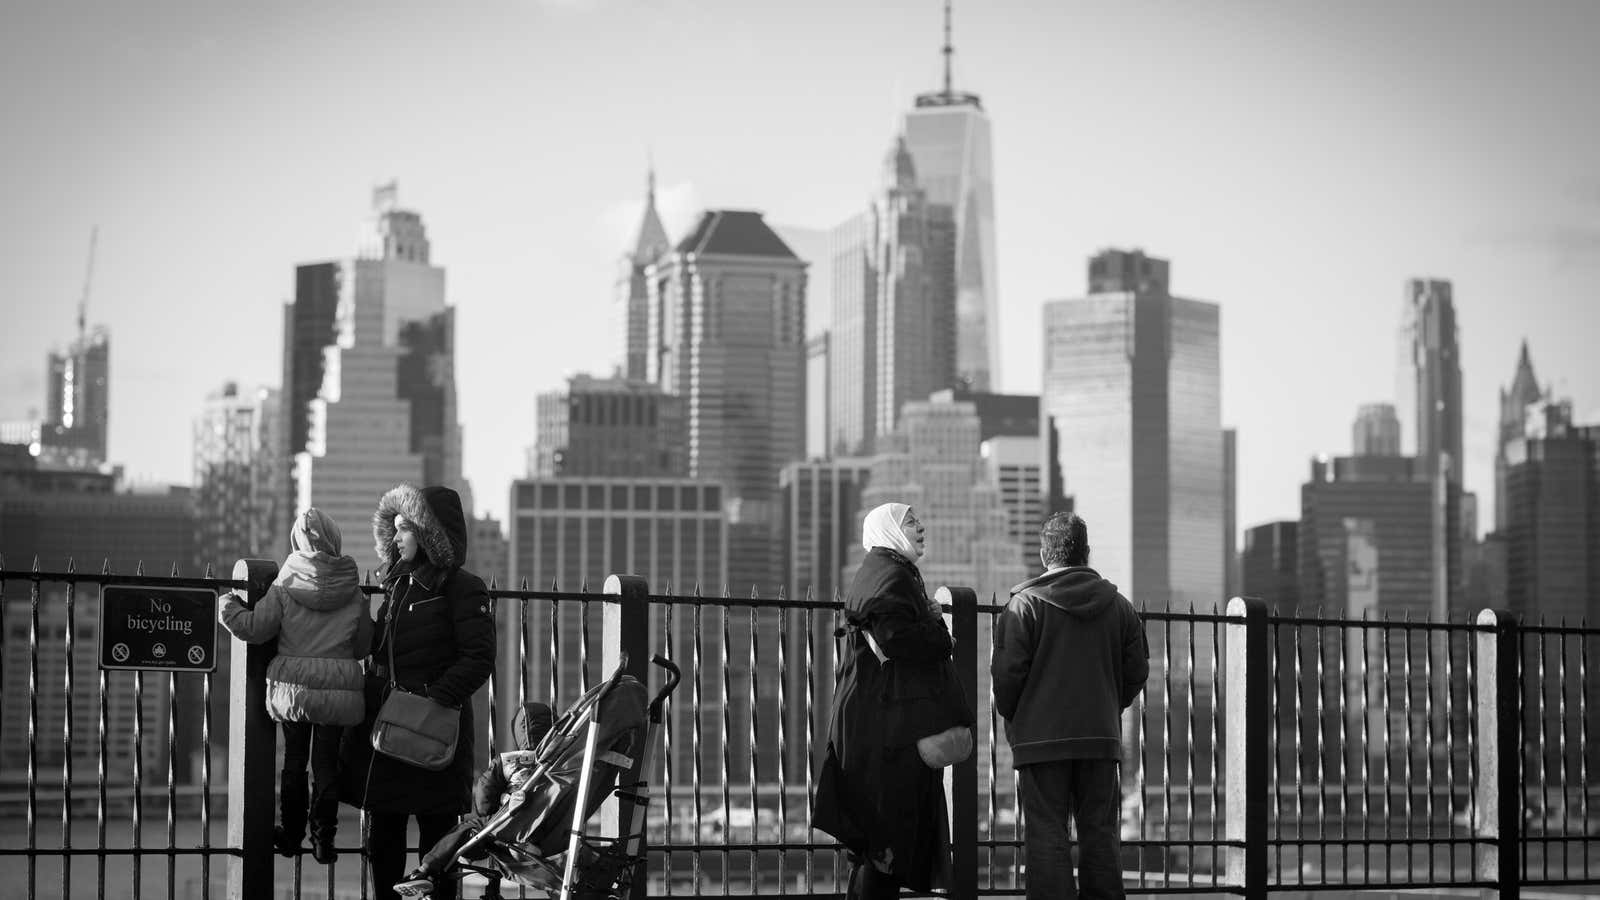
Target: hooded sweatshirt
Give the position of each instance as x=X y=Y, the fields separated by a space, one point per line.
x=1070 y=654
x=316 y=610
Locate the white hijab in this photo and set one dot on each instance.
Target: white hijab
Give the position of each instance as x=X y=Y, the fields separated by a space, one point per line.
x=881 y=528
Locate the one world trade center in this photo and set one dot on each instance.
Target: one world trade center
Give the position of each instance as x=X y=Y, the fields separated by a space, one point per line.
x=948 y=135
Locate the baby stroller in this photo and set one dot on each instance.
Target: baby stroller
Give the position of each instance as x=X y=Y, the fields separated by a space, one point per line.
x=536 y=838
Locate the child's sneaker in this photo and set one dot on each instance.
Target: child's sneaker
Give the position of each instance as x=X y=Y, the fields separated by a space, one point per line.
x=416 y=885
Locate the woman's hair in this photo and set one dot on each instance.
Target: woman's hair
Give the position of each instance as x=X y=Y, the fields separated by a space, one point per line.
x=1064 y=540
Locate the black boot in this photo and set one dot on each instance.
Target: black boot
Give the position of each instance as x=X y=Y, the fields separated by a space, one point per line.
x=292 y=798
x=324 y=823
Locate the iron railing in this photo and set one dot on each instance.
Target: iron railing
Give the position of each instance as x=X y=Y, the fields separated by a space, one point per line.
x=1267 y=753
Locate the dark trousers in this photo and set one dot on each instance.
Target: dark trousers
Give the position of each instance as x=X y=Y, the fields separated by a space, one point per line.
x=386 y=851
x=1087 y=791
x=438 y=859
x=318 y=746
x=867 y=883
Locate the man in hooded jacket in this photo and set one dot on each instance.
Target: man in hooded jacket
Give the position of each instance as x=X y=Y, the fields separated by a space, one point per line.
x=1070 y=655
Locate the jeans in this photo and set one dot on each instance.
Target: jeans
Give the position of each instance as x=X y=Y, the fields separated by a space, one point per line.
x=386 y=851
x=1087 y=791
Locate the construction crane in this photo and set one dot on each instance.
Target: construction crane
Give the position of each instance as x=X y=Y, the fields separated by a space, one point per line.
x=88 y=278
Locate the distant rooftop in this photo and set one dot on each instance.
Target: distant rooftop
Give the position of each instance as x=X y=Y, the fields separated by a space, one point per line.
x=735 y=232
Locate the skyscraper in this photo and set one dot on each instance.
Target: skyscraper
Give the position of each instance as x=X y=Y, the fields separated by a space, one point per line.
x=1269 y=566
x=1552 y=529
x=633 y=294
x=947 y=133
x=609 y=426
x=1515 y=402
x=1376 y=431
x=369 y=373
x=1012 y=463
x=1377 y=512
x=727 y=334
x=77 y=409
x=1431 y=388
x=1132 y=381
x=240 y=500
x=893 y=324
x=1230 y=512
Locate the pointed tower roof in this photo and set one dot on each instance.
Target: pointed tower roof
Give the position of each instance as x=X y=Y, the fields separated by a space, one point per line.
x=898 y=168
x=653 y=239
x=1524 y=385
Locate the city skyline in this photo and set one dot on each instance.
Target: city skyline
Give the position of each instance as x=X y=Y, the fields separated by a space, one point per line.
x=1276 y=198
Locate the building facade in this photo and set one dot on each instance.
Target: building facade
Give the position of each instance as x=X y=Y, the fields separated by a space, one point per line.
x=609 y=426
x=1132 y=383
x=948 y=135
x=1430 y=391
x=369 y=374
x=1376 y=431
x=240 y=500
x=893 y=318
x=89 y=524
x=727 y=334
x=1552 y=529
x=568 y=534
x=78 y=403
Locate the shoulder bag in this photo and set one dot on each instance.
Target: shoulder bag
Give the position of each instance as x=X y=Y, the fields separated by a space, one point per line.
x=414 y=728
x=953 y=744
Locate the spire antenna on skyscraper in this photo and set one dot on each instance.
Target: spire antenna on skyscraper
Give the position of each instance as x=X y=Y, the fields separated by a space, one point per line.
x=949 y=51
x=948 y=96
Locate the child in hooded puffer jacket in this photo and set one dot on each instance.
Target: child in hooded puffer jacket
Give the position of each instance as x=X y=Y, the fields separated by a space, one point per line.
x=316 y=610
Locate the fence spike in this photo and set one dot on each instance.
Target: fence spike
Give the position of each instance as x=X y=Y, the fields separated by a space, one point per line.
x=105 y=565
x=36 y=563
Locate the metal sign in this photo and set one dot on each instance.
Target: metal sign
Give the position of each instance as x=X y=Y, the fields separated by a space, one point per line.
x=158 y=628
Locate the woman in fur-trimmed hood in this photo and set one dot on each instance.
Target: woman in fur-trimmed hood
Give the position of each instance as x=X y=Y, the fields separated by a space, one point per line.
x=435 y=636
x=316 y=610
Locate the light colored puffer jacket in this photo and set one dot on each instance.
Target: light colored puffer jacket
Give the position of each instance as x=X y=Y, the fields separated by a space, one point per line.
x=317 y=611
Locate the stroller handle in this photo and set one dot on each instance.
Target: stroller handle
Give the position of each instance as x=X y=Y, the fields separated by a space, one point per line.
x=673 y=677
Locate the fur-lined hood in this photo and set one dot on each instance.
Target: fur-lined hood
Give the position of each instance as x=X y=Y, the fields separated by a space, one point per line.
x=441 y=527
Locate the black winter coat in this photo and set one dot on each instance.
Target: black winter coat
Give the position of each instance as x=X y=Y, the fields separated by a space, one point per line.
x=874 y=794
x=439 y=622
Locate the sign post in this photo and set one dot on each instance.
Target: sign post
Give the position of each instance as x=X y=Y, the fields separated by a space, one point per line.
x=158 y=628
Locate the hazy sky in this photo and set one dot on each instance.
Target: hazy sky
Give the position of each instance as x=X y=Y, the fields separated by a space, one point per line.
x=1296 y=162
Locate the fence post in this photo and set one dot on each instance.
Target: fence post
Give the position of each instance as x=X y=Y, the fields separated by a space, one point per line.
x=626 y=630
x=1245 y=692
x=1498 y=824
x=964 y=775
x=252 y=750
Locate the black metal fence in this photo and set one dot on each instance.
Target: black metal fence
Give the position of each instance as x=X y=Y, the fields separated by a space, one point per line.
x=1266 y=754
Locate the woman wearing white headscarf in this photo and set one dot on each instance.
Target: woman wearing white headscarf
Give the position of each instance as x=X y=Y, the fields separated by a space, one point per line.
x=875 y=794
